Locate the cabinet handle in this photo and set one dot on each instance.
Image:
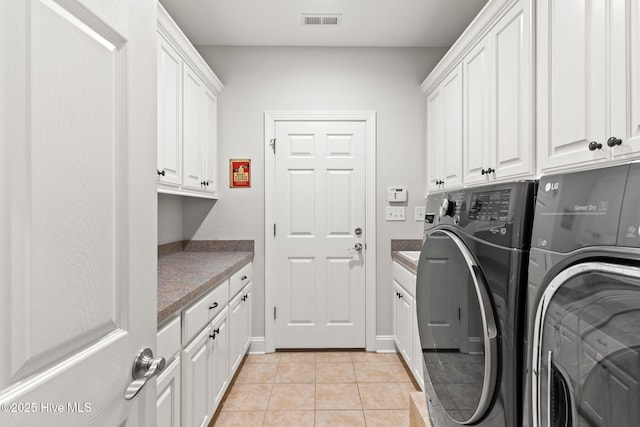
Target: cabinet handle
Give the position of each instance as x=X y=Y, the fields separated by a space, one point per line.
x=487 y=171
x=593 y=146
x=439 y=182
x=400 y=295
x=211 y=307
x=613 y=141
x=215 y=332
x=243 y=278
x=161 y=173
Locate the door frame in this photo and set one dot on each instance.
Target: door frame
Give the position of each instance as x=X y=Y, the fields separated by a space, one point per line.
x=369 y=118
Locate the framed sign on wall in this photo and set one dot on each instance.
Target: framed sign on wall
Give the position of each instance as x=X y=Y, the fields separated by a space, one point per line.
x=240 y=173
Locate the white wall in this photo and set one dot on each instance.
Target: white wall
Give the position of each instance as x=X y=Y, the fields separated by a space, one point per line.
x=385 y=80
x=169 y=219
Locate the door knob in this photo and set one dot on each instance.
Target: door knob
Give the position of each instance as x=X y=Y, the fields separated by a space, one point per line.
x=144 y=368
x=613 y=141
x=357 y=247
x=358 y=231
x=593 y=146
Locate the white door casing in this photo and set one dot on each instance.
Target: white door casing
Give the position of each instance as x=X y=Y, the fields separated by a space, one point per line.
x=77 y=219
x=320 y=178
x=332 y=219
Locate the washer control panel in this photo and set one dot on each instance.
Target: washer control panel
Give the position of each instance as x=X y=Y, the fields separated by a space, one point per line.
x=490 y=205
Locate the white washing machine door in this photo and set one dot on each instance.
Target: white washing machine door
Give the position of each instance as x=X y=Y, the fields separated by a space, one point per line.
x=457 y=327
x=586 y=348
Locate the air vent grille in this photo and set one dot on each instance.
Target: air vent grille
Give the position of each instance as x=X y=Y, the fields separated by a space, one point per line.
x=315 y=19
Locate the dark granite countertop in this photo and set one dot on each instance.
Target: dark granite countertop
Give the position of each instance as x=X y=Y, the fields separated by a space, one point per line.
x=184 y=276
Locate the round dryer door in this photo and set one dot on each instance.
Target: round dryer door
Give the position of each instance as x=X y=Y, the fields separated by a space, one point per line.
x=586 y=356
x=457 y=328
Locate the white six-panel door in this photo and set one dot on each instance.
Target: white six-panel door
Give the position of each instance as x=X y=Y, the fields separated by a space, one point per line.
x=319 y=203
x=77 y=217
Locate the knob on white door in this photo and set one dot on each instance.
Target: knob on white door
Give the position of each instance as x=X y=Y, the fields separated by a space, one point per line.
x=144 y=368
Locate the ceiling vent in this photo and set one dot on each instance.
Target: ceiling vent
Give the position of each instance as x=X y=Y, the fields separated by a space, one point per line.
x=315 y=19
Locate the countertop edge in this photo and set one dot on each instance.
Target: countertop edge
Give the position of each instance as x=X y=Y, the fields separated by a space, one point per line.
x=179 y=305
x=404 y=261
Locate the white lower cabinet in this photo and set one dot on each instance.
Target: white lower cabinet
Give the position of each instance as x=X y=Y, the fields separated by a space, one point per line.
x=196 y=392
x=403 y=328
x=405 y=324
x=240 y=321
x=205 y=368
x=215 y=334
x=168 y=396
x=219 y=359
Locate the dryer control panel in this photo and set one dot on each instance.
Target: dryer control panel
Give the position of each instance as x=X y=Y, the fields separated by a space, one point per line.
x=499 y=213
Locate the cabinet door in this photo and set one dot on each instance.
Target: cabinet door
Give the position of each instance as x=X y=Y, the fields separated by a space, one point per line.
x=169 y=113
x=193 y=89
x=219 y=360
x=406 y=326
x=196 y=390
x=511 y=124
x=477 y=146
x=246 y=318
x=209 y=143
x=235 y=332
x=417 y=368
x=168 y=396
x=434 y=141
x=450 y=157
x=396 y=315
x=625 y=77
x=571 y=76
x=444 y=133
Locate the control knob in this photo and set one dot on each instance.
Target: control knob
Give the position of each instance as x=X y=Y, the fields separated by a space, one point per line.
x=447 y=207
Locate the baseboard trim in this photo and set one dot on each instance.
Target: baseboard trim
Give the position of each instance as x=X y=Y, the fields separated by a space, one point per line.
x=385 y=344
x=257 y=345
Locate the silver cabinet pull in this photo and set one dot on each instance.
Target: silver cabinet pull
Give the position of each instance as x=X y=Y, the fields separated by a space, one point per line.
x=144 y=368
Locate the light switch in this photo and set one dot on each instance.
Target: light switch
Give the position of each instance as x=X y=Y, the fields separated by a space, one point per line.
x=395 y=213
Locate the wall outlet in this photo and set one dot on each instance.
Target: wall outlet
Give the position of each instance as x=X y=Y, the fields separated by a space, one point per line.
x=395 y=213
x=419 y=213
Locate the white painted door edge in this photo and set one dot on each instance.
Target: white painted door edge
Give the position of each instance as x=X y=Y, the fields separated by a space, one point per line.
x=369 y=117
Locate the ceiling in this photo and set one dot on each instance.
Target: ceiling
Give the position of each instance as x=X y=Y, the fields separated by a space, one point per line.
x=380 y=23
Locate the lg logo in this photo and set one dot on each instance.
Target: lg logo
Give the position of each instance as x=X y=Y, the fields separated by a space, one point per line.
x=551 y=186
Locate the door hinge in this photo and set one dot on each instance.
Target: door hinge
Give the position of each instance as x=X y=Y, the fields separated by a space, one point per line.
x=272 y=143
x=274 y=314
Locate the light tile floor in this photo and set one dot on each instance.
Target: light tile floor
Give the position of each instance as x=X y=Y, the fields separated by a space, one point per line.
x=300 y=389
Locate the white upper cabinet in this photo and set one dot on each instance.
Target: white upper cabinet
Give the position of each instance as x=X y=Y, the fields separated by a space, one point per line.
x=209 y=141
x=497 y=101
x=187 y=115
x=483 y=107
x=444 y=139
x=169 y=114
x=625 y=80
x=191 y=131
x=512 y=88
x=588 y=74
x=477 y=144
